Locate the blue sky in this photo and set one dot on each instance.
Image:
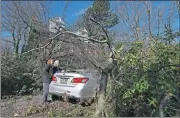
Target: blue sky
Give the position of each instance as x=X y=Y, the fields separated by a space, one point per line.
x=74 y=10
x=77 y=8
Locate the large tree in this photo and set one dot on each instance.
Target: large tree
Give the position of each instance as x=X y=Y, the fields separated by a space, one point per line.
x=102 y=13
x=102 y=19
x=16 y=19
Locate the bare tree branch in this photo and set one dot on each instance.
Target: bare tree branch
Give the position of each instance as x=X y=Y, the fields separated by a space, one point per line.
x=108 y=40
x=65 y=32
x=64 y=10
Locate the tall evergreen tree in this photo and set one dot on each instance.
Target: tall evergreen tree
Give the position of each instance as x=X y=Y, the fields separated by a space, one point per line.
x=102 y=13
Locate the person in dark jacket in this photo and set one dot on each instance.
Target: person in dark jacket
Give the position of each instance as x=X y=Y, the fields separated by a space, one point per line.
x=48 y=71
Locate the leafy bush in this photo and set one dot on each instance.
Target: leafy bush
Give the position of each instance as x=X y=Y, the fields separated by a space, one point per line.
x=148 y=75
x=19 y=75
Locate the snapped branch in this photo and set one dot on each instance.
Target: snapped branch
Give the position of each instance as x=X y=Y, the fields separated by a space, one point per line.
x=108 y=40
x=65 y=32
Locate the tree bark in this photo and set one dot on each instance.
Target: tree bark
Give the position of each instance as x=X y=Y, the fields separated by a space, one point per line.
x=102 y=91
x=17 y=47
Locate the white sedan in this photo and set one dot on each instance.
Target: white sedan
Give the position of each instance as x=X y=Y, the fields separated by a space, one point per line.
x=74 y=85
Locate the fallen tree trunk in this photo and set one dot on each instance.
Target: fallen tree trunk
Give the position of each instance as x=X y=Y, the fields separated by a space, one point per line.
x=100 y=109
x=102 y=92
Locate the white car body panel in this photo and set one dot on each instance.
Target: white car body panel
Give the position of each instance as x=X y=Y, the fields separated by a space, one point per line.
x=77 y=90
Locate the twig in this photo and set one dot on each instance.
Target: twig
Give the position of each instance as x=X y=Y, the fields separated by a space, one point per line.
x=8 y=41
x=160 y=68
x=65 y=32
x=88 y=38
x=65 y=9
x=108 y=40
x=36 y=48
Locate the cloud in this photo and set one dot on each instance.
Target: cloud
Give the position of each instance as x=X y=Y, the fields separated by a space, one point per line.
x=82 y=11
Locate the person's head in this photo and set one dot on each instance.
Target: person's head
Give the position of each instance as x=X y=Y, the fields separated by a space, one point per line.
x=49 y=61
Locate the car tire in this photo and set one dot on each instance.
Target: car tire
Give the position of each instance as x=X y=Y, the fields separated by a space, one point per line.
x=54 y=97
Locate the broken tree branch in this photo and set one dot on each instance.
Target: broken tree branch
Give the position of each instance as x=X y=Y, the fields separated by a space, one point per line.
x=66 y=32
x=108 y=40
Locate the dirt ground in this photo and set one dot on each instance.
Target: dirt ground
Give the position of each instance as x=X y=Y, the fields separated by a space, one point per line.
x=32 y=106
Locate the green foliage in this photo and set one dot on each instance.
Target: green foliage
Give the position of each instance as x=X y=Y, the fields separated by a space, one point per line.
x=19 y=75
x=147 y=75
x=101 y=12
x=32 y=41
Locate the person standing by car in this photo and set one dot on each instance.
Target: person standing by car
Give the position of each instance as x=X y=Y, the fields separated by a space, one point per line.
x=46 y=79
x=48 y=71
